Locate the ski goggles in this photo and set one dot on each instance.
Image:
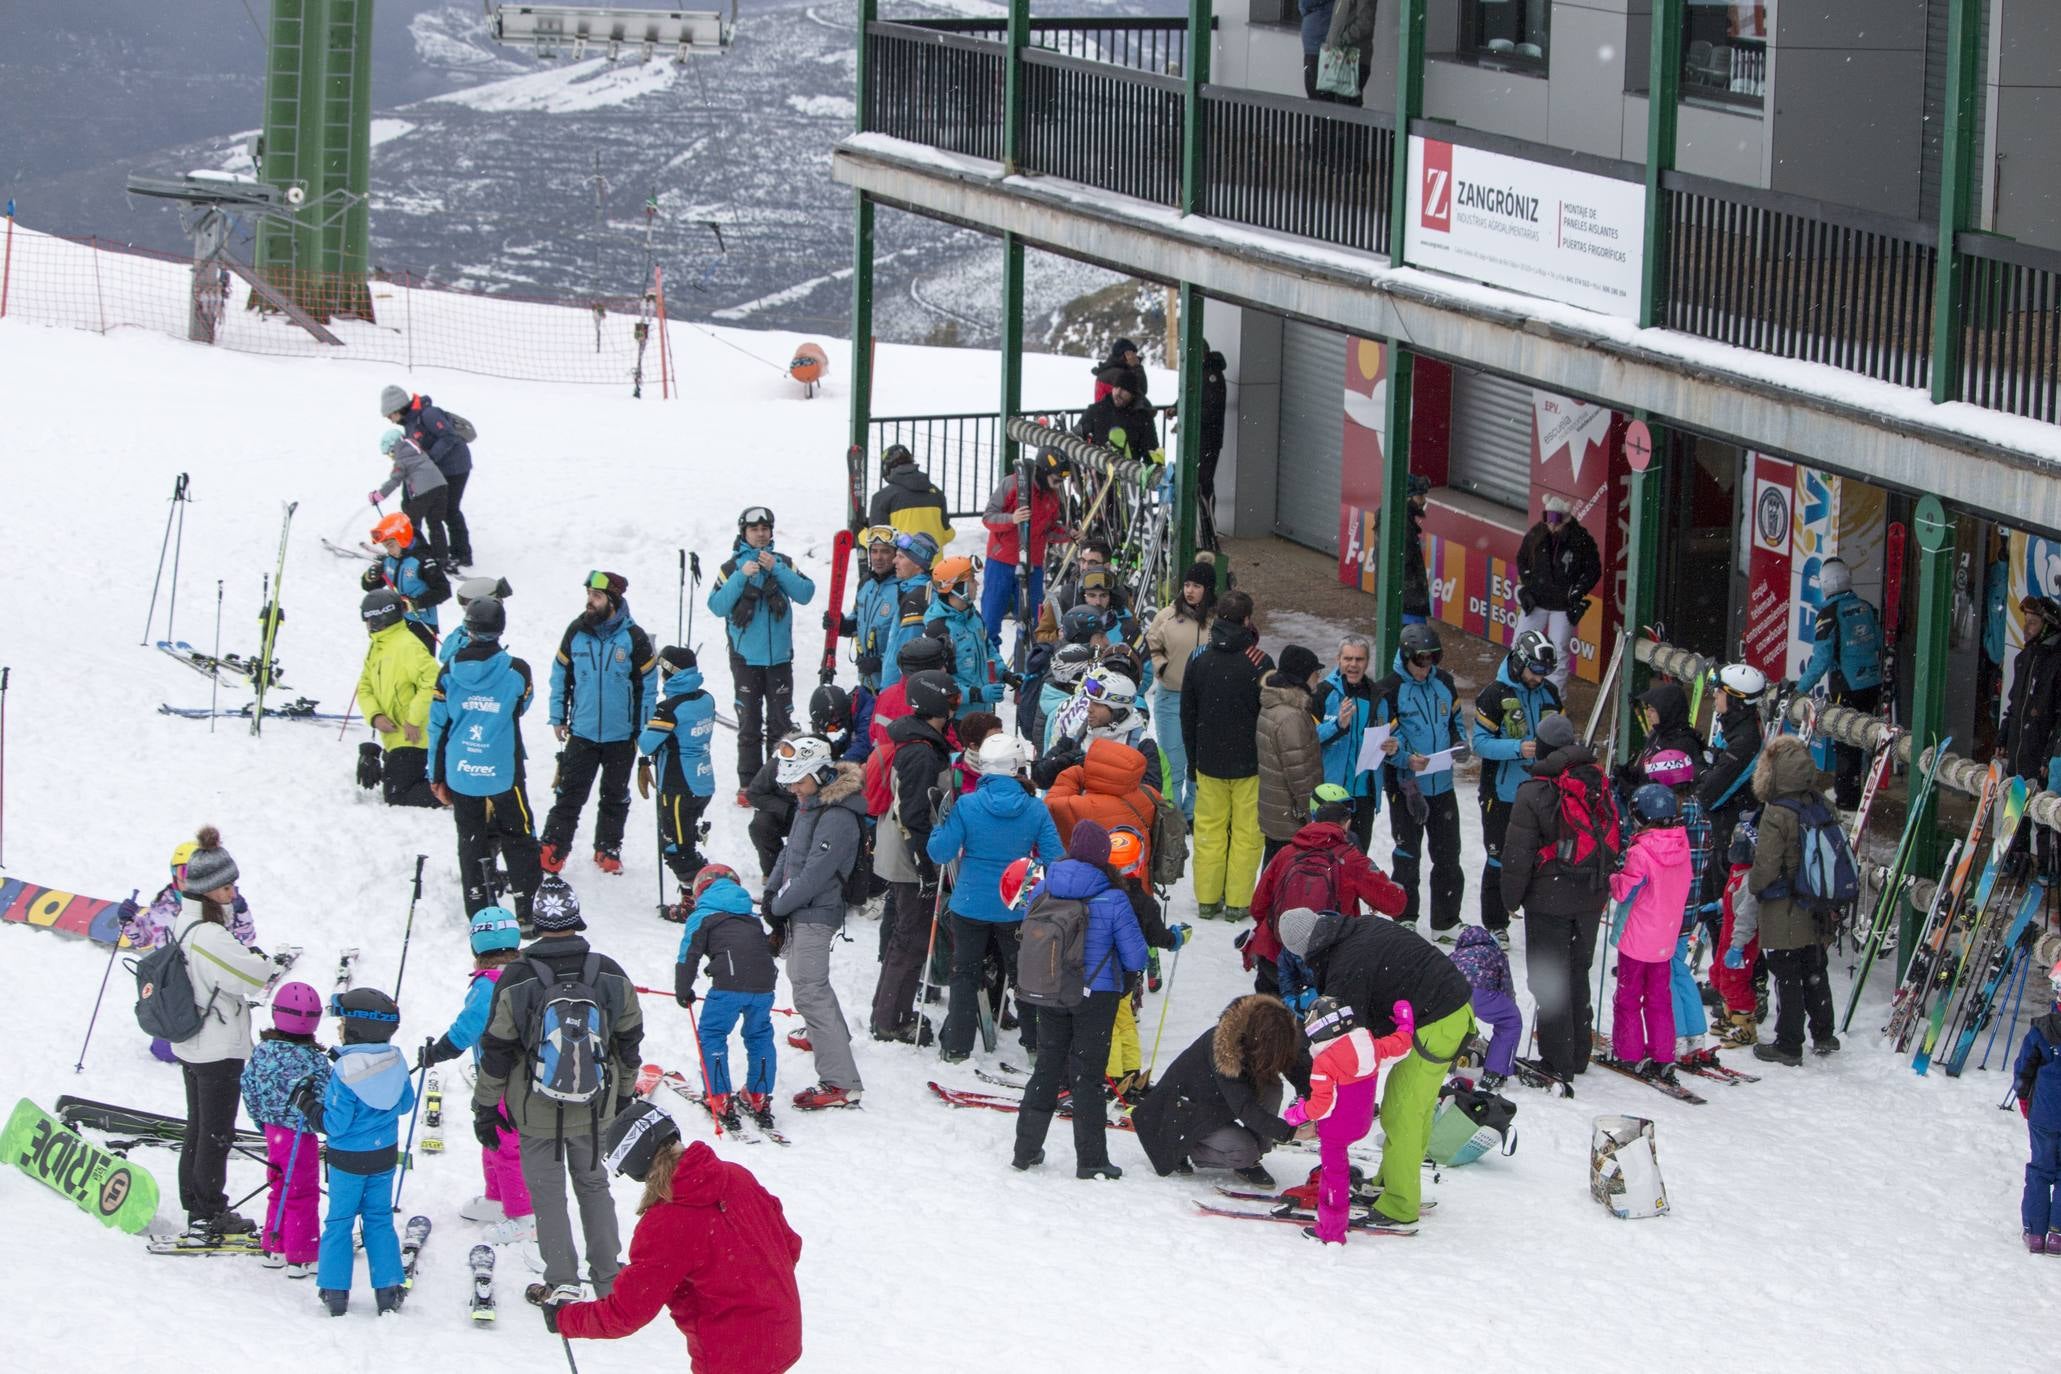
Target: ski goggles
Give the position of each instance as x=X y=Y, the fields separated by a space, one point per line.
x=757 y=515
x=879 y=534
x=1428 y=656
x=596 y=582
x=339 y=1010
x=920 y=547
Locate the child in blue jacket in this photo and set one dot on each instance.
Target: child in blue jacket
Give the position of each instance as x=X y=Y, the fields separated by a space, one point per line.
x=505 y=1204
x=676 y=739
x=2039 y=1102
x=723 y=929
x=360 y=1112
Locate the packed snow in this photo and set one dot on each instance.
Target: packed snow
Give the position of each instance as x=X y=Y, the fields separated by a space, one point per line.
x=1847 y=1215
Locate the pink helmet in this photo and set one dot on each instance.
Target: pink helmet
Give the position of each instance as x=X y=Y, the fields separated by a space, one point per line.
x=296 y=1009
x=1670 y=768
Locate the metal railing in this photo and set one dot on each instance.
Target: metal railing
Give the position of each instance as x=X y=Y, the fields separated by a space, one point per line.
x=1801 y=279
x=962 y=453
x=1107 y=127
x=936 y=88
x=1321 y=171
x=1148 y=45
x=2012 y=349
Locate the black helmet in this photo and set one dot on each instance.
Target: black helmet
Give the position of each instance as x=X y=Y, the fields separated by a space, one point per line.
x=1327 y=1019
x=1420 y=639
x=932 y=693
x=754 y=515
x=894 y=456
x=486 y=618
x=677 y=658
x=1418 y=485
x=473 y=588
x=634 y=1138
x=368 y=1015
x=1083 y=623
x=381 y=609
x=830 y=709
x=920 y=652
x=1051 y=465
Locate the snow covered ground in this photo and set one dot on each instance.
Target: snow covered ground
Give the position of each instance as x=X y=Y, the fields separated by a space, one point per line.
x=1844 y=1216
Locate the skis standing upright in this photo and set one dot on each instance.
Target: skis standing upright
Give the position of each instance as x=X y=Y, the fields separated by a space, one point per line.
x=1947 y=970
x=1892 y=614
x=1892 y=887
x=840 y=563
x=270 y=620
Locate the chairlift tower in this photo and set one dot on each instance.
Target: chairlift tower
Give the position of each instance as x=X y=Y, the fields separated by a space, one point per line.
x=212 y=200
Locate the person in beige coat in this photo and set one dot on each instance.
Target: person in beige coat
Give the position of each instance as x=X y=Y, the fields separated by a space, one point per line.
x=1172 y=639
x=1291 y=765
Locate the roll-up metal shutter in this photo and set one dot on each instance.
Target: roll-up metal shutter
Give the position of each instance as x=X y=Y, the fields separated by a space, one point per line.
x=1491 y=455
x=1309 y=473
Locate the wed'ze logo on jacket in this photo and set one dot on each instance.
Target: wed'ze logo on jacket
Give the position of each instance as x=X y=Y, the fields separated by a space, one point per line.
x=1437 y=212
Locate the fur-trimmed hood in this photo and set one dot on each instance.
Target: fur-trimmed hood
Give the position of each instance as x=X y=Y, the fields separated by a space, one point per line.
x=1256 y=1033
x=850 y=778
x=1785 y=769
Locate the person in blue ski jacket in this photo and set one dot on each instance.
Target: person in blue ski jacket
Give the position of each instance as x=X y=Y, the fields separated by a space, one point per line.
x=675 y=745
x=406 y=565
x=989 y=828
x=1506 y=722
x=437 y=435
x=876 y=607
x=360 y=1112
x=476 y=760
x=1846 y=655
x=756 y=593
x=723 y=930
x=955 y=614
x=1343 y=704
x=604 y=683
x=2037 y=1075
x=469 y=591
x=1420 y=703
x=908 y=598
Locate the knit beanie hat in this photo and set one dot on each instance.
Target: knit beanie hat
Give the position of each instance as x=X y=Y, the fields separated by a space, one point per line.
x=1297 y=663
x=210 y=866
x=1295 y=926
x=677 y=658
x=1555 y=732
x=393 y=398
x=556 y=907
x=1202 y=575
x=1089 y=843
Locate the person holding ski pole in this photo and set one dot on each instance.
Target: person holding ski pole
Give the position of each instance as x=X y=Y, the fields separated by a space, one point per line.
x=407 y=567
x=285 y=1057
x=423 y=497
x=675 y=745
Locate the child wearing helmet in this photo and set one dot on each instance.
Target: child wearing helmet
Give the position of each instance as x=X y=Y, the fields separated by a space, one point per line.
x=1345 y=1064
x=955 y=617
x=360 y=1112
x=1129 y=856
x=1649 y=892
x=505 y=1204
x=424 y=498
x=284 y=1058
x=1672 y=769
x=1732 y=973
x=723 y=929
x=407 y=565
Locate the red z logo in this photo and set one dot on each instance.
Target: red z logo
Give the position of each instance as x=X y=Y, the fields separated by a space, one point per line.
x=1437 y=188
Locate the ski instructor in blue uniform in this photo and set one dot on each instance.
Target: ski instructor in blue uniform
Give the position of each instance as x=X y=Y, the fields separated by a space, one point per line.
x=756 y=592
x=476 y=761
x=604 y=683
x=1847 y=658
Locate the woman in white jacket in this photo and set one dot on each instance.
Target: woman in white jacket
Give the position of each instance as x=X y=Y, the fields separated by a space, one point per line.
x=225 y=977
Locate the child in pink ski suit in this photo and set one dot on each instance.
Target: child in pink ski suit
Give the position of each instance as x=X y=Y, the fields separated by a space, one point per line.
x=1343 y=1072
x=1650 y=891
x=284 y=1058
x=506 y=1203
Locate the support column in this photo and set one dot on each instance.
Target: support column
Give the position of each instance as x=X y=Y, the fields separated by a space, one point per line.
x=862 y=328
x=1642 y=583
x=1012 y=346
x=1194 y=141
x=1929 y=638
x=1957 y=158
x=1401 y=367
x=1188 y=461
x=1012 y=85
x=1409 y=105
x=1663 y=104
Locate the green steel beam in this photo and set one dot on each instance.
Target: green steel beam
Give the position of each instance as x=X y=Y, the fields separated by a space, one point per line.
x=1194 y=137
x=1409 y=105
x=862 y=324
x=1395 y=498
x=1012 y=341
x=1188 y=461
x=1663 y=121
x=1930 y=671
x=1956 y=198
x=1012 y=86
x=862 y=94
x=1642 y=584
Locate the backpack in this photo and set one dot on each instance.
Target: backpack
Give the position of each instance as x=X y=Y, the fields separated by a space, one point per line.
x=1051 y=960
x=462 y=427
x=165 y=1004
x=1169 y=834
x=1310 y=880
x=880 y=779
x=1590 y=839
x=1469 y=1123
x=1826 y=875
x=569 y=1034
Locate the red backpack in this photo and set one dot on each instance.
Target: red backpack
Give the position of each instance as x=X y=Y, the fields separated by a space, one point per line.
x=880 y=779
x=1590 y=838
x=1310 y=880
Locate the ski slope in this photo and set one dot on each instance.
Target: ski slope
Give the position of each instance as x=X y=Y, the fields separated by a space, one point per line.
x=1845 y=1216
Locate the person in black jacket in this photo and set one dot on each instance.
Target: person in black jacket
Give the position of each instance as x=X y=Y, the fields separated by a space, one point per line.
x=1726 y=787
x=2034 y=706
x=1220 y=706
x=1665 y=709
x=1215 y=402
x=723 y=929
x=922 y=766
x=1219 y=1104
x=1557 y=567
x=772 y=813
x=1416 y=574
x=1124 y=418
x=438 y=435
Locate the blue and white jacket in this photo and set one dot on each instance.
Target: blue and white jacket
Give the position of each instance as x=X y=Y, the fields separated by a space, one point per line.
x=758 y=607
x=1426 y=717
x=368 y=1094
x=604 y=679
x=475 y=735
x=679 y=733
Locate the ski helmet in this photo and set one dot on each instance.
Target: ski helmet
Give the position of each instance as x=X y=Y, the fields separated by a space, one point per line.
x=1536 y=652
x=473 y=588
x=1327 y=1019
x=397 y=528
x=495 y=927
x=1670 y=768
x=1745 y=836
x=1110 y=687
x=1332 y=803
x=1743 y=681
x=677 y=658
x=803 y=756
x=381 y=609
x=830 y=709
x=1070 y=664
x=954 y=575
x=920 y=653
x=1126 y=848
x=754 y=515
x=296 y=1009
x=895 y=456
x=486 y=619
x=1001 y=755
x=1083 y=623
x=1420 y=641
x=709 y=875
x=920 y=548
x=634 y=1138
x=1018 y=879
x=368 y=1015
x=179 y=857
x=932 y=693
x=1654 y=804
x=1051 y=466
x=390 y=440
x=1834 y=578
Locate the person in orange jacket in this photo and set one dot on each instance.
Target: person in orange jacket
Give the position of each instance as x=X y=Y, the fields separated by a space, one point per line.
x=712 y=1247
x=1106 y=787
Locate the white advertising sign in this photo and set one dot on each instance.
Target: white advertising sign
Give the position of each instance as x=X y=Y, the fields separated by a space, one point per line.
x=1568 y=236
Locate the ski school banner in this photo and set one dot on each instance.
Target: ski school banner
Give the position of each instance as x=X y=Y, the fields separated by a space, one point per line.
x=66 y=912
x=1568 y=236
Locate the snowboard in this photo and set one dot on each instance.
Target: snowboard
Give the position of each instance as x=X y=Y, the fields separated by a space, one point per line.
x=481 y=1261
x=96 y=918
x=433 y=1115
x=413 y=1236
x=120 y=1194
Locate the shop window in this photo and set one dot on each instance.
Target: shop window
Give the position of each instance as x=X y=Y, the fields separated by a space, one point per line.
x=1506 y=33
x=1724 y=52
x=1274 y=12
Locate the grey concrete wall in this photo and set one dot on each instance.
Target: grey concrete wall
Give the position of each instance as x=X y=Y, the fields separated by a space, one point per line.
x=1587 y=78
x=1849 y=101
x=2020 y=191
x=1246 y=473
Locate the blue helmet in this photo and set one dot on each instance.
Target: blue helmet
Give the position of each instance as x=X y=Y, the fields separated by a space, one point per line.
x=494 y=927
x=390 y=440
x=1655 y=804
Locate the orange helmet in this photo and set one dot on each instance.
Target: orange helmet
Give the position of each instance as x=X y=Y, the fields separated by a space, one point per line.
x=951 y=572
x=395 y=526
x=1018 y=879
x=1126 y=848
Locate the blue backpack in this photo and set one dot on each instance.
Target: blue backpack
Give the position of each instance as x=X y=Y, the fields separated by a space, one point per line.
x=1826 y=877
x=570 y=1035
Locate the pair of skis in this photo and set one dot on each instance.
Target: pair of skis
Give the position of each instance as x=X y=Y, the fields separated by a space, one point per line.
x=226 y=668
x=743 y=1127
x=300 y=708
x=999 y=1102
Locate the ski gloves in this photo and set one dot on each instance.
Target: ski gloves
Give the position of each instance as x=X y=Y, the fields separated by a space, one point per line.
x=1735 y=958
x=306 y=1099
x=486 y=1127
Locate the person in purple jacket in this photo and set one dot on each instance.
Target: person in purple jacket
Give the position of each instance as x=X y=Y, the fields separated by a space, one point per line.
x=1488 y=973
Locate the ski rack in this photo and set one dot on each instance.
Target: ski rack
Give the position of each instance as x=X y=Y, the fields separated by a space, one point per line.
x=551 y=29
x=1134 y=511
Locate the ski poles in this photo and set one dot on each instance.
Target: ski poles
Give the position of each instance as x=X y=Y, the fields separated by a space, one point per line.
x=937 y=907
x=215 y=677
x=275 y=1225
x=408 y=931
x=707 y=1088
x=1166 y=1001
x=680 y=611
x=113 y=950
x=179 y=500
x=408 y=1154
x=694 y=575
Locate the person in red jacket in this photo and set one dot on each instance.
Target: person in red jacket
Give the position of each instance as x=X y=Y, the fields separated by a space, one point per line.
x=711 y=1246
x=1321 y=860
x=998 y=586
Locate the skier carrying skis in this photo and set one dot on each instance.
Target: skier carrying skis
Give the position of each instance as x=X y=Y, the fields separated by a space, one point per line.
x=424 y=499
x=1344 y=1067
x=711 y=1247
x=722 y=928
x=604 y=682
x=438 y=434
x=1846 y=655
x=505 y=1203
x=476 y=760
x=395 y=689
x=408 y=568
x=755 y=592
x=1649 y=890
x=2038 y=1082
x=676 y=739
x=287 y=1056
x=360 y=1111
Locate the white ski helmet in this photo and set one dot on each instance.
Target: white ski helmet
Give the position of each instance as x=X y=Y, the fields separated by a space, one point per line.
x=1070 y=664
x=1112 y=688
x=1001 y=755
x=803 y=756
x=1743 y=681
x=1834 y=578
x=1536 y=652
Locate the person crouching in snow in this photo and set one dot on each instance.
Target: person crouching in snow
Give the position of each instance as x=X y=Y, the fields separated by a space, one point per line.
x=722 y=928
x=1345 y=1067
x=712 y=1247
x=286 y=1057
x=1650 y=891
x=1480 y=956
x=2038 y=1081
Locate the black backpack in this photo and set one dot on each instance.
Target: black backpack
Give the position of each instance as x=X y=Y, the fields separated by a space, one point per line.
x=1051 y=961
x=165 y=1004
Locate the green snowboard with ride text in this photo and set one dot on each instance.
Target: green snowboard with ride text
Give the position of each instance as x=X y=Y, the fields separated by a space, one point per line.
x=106 y=1186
